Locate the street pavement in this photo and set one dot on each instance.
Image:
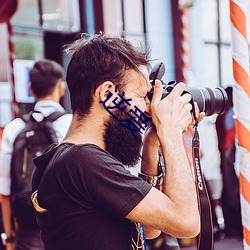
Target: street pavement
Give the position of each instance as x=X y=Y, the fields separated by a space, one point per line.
x=223 y=244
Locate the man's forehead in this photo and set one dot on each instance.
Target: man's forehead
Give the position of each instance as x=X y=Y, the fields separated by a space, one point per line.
x=145 y=74
x=138 y=80
x=144 y=70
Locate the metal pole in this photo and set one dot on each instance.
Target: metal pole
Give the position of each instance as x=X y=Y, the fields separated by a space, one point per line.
x=40 y=13
x=87 y=16
x=219 y=42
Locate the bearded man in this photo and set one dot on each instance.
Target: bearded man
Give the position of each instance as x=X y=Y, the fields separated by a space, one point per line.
x=84 y=196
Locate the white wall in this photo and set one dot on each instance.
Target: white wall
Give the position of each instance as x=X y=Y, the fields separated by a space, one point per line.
x=160 y=34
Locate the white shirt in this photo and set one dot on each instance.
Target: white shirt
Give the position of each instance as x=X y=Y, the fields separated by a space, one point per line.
x=11 y=131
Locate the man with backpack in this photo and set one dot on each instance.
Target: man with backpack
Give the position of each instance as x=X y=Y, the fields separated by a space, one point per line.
x=23 y=139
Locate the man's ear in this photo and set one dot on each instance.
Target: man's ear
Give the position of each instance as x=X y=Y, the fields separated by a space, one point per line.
x=104 y=91
x=31 y=90
x=62 y=88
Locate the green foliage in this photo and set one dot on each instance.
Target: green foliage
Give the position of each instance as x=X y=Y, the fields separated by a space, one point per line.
x=25 y=49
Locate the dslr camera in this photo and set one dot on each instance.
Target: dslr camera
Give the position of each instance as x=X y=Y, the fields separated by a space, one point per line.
x=210 y=101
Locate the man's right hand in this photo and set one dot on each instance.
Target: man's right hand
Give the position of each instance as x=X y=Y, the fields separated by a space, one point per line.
x=172 y=114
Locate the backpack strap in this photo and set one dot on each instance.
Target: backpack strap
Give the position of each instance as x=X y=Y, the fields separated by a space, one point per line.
x=54 y=116
x=51 y=118
x=47 y=128
x=44 y=123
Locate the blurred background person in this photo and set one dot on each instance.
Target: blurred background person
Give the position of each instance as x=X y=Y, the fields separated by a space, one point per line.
x=48 y=86
x=210 y=162
x=225 y=126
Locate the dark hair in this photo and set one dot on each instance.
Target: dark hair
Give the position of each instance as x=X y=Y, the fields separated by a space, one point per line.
x=44 y=76
x=97 y=59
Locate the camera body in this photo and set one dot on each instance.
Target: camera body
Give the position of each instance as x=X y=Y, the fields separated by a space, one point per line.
x=210 y=101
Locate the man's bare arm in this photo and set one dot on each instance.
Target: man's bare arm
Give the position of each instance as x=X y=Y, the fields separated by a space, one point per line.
x=175 y=211
x=7 y=220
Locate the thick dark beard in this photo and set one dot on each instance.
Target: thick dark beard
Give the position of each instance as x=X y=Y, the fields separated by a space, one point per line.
x=120 y=142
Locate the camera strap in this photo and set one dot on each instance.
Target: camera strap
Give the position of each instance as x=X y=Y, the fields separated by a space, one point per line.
x=205 y=238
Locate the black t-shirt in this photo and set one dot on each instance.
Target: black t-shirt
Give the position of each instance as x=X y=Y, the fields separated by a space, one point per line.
x=88 y=194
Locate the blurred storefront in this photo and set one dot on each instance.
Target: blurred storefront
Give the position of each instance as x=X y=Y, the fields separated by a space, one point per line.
x=40 y=29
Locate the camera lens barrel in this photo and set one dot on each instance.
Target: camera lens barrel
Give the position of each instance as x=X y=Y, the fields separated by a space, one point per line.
x=210 y=101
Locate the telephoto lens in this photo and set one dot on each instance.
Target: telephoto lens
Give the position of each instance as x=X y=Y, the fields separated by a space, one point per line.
x=210 y=101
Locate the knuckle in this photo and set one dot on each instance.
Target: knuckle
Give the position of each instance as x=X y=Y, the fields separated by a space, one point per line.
x=188 y=97
x=185 y=98
x=188 y=107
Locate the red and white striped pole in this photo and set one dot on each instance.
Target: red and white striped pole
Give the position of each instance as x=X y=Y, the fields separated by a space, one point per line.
x=185 y=65
x=241 y=95
x=15 y=106
x=185 y=55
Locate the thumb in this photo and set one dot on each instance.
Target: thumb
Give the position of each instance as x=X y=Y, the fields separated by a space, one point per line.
x=157 y=93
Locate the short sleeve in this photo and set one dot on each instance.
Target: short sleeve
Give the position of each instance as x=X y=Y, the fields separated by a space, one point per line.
x=10 y=133
x=108 y=184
